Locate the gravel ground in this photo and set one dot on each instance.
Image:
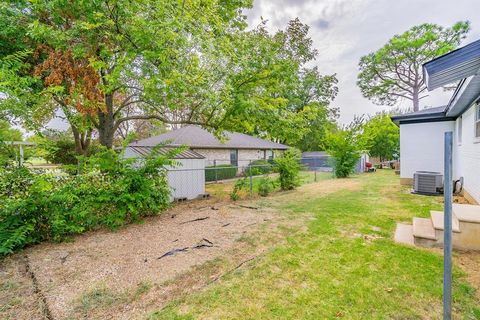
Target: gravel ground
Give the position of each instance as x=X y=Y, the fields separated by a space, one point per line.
x=101 y=268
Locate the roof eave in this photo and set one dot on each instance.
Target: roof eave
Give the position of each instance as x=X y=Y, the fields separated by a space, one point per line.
x=426 y=118
x=453 y=66
x=465 y=95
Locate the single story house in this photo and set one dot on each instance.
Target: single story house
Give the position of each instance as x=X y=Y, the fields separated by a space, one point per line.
x=237 y=149
x=422 y=132
x=320 y=161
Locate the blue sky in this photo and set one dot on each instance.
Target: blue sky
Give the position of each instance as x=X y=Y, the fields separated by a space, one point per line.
x=345 y=30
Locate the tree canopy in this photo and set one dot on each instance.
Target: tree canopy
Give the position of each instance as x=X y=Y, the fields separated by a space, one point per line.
x=394 y=72
x=381 y=137
x=107 y=62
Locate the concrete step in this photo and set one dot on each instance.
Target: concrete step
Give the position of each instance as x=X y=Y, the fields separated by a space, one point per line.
x=424 y=233
x=404 y=234
x=437 y=221
x=469 y=222
x=423 y=228
x=467 y=212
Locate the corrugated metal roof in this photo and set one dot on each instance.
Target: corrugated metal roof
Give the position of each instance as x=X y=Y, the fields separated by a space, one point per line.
x=196 y=137
x=453 y=66
x=187 y=154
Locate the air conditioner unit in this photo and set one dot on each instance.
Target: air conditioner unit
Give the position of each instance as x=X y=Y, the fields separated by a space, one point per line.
x=427 y=182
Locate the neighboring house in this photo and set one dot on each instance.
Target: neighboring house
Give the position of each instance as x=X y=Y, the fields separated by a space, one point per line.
x=317 y=160
x=422 y=132
x=236 y=148
x=320 y=161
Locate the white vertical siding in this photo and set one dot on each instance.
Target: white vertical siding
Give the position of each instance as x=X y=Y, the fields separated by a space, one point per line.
x=421 y=147
x=187 y=180
x=467 y=155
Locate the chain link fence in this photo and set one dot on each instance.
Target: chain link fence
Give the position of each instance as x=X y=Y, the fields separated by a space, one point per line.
x=188 y=183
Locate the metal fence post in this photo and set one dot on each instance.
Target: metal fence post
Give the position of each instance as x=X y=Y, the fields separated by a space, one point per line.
x=315 y=174
x=216 y=172
x=251 y=177
x=447 y=236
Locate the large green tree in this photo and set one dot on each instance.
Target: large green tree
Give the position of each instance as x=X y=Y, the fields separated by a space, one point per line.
x=311 y=99
x=96 y=58
x=394 y=72
x=381 y=137
x=107 y=62
x=291 y=103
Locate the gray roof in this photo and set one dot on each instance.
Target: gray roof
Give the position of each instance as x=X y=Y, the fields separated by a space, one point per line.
x=423 y=115
x=453 y=66
x=314 y=154
x=187 y=154
x=196 y=137
x=467 y=92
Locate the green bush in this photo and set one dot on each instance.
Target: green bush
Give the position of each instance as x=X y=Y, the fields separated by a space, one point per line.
x=223 y=171
x=343 y=149
x=258 y=167
x=265 y=186
x=110 y=192
x=288 y=166
x=240 y=184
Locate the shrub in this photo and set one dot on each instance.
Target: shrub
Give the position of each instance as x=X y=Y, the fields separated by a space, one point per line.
x=240 y=184
x=265 y=186
x=342 y=148
x=288 y=166
x=220 y=172
x=258 y=167
x=110 y=192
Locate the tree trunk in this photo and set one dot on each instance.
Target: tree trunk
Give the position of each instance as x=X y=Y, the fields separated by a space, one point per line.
x=106 y=123
x=415 y=99
x=82 y=140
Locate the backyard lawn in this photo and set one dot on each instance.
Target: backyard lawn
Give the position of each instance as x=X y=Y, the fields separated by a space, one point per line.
x=343 y=265
x=323 y=251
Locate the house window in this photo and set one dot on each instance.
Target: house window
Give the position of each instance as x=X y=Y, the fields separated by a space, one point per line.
x=459 y=130
x=234 y=157
x=477 y=121
x=268 y=154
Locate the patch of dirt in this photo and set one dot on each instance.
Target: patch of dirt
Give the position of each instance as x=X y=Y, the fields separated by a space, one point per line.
x=317 y=189
x=101 y=269
x=17 y=297
x=460 y=199
x=140 y=268
x=470 y=263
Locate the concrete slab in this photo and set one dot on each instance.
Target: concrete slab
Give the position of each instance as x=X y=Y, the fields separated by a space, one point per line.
x=423 y=228
x=404 y=234
x=467 y=212
x=437 y=220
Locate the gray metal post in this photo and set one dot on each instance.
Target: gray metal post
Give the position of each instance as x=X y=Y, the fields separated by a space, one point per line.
x=251 y=177
x=216 y=172
x=447 y=236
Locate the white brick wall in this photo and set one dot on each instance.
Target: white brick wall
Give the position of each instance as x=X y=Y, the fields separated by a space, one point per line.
x=221 y=155
x=467 y=155
x=421 y=147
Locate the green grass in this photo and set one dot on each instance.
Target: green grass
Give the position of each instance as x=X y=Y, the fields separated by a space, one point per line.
x=345 y=266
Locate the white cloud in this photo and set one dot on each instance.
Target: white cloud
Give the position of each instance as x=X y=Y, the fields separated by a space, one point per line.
x=343 y=31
